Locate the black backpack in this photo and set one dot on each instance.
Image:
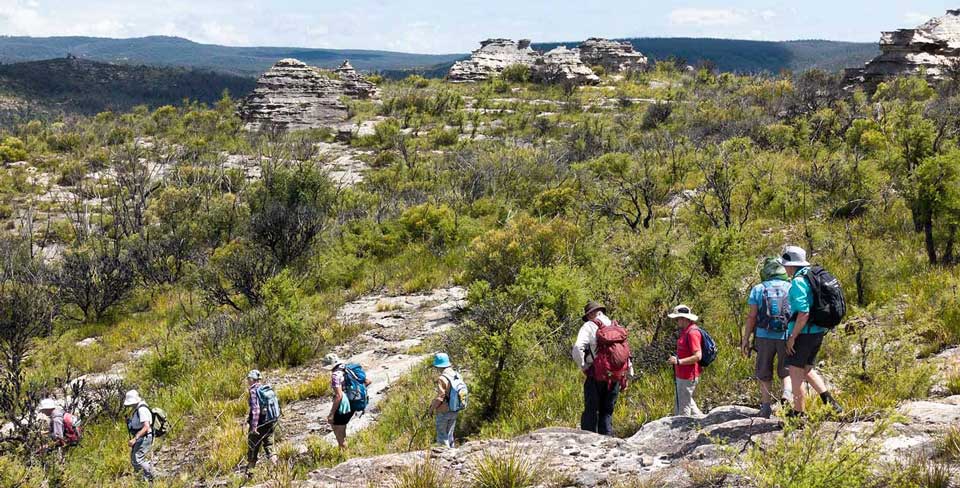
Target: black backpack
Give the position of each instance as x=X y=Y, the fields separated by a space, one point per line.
x=828 y=306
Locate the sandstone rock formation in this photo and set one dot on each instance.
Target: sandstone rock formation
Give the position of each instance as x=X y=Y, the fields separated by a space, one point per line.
x=492 y=58
x=933 y=47
x=664 y=452
x=294 y=96
x=563 y=65
x=354 y=84
x=614 y=56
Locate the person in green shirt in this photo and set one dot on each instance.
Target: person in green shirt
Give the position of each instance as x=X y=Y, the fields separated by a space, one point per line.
x=805 y=338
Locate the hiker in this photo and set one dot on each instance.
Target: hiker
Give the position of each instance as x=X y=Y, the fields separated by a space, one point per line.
x=141 y=434
x=262 y=420
x=767 y=321
x=805 y=336
x=686 y=362
x=343 y=407
x=602 y=353
x=450 y=399
x=64 y=429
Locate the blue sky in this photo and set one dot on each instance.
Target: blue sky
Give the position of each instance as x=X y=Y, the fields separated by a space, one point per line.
x=432 y=26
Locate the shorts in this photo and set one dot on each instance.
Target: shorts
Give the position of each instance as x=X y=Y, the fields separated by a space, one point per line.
x=342 y=418
x=766 y=350
x=805 y=350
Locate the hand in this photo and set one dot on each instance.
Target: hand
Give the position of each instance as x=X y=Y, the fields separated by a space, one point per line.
x=132 y=441
x=790 y=342
x=330 y=419
x=745 y=348
x=673 y=360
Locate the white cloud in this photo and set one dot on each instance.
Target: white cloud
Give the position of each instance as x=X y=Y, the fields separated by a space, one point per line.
x=706 y=17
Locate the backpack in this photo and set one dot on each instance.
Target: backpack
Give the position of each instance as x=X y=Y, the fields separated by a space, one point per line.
x=773 y=313
x=160 y=425
x=612 y=360
x=708 y=348
x=269 y=404
x=71 y=428
x=355 y=386
x=459 y=394
x=828 y=306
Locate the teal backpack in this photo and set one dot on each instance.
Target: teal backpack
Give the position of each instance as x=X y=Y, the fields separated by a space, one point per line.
x=355 y=386
x=459 y=394
x=269 y=403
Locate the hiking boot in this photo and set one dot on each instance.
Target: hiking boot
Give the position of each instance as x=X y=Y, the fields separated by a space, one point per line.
x=828 y=399
x=765 y=410
x=793 y=414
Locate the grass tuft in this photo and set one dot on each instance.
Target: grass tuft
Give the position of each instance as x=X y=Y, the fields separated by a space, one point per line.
x=505 y=470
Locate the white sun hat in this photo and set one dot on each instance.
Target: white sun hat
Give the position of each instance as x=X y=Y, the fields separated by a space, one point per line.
x=47 y=404
x=132 y=398
x=683 y=311
x=794 y=256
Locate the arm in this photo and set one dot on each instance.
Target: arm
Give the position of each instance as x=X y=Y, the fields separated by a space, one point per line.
x=748 y=329
x=140 y=433
x=441 y=394
x=691 y=359
x=802 y=319
x=337 y=398
x=56 y=432
x=580 y=347
x=254 y=411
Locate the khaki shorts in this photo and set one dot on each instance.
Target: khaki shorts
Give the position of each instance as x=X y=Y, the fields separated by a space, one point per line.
x=766 y=350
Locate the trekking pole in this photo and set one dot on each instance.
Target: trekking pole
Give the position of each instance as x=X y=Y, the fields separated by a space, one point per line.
x=418 y=426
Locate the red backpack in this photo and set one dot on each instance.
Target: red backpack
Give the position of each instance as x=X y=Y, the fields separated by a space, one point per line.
x=612 y=361
x=71 y=429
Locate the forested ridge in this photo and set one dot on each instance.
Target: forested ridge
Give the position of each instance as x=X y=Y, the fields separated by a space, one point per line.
x=183 y=251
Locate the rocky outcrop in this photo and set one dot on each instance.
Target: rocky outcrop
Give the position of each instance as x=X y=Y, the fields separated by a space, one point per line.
x=294 y=96
x=613 y=56
x=354 y=84
x=665 y=452
x=491 y=59
x=563 y=65
x=932 y=48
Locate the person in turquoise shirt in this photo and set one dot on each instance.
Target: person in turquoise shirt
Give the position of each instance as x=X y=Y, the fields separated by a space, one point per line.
x=805 y=339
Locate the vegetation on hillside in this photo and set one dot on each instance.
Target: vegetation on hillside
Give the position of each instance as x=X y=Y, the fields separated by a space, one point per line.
x=536 y=198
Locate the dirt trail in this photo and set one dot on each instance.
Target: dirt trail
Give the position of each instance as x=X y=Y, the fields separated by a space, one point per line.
x=397 y=324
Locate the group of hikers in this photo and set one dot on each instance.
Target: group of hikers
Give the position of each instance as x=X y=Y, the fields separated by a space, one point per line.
x=795 y=305
x=790 y=312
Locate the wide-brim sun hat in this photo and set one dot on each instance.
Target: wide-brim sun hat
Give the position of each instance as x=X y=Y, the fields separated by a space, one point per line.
x=794 y=256
x=47 y=404
x=441 y=360
x=331 y=361
x=132 y=398
x=592 y=307
x=683 y=311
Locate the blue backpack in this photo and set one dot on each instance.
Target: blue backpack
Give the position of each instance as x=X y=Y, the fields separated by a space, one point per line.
x=459 y=394
x=355 y=386
x=709 y=348
x=269 y=403
x=773 y=313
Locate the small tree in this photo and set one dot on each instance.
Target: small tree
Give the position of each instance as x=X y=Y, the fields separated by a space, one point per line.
x=95 y=276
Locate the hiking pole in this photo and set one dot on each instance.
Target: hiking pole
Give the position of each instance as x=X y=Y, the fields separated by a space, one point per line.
x=417 y=427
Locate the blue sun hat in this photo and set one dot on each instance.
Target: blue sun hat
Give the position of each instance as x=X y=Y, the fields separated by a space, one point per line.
x=441 y=360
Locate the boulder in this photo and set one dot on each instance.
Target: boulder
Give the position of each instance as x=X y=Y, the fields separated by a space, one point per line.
x=932 y=48
x=563 y=65
x=293 y=96
x=613 y=56
x=491 y=59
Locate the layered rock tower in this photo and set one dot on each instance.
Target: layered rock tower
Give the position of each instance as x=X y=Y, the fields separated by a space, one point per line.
x=494 y=56
x=613 y=56
x=932 y=48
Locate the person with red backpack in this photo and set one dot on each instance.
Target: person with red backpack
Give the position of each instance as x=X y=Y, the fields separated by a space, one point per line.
x=687 y=362
x=64 y=426
x=602 y=353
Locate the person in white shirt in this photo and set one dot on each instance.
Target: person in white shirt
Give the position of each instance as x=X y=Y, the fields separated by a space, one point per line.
x=599 y=398
x=141 y=434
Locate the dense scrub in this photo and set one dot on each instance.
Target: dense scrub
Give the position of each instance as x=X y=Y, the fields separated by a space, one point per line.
x=535 y=198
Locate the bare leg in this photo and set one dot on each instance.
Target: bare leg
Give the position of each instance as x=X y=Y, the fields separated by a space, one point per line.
x=340 y=432
x=797 y=375
x=765 y=387
x=816 y=381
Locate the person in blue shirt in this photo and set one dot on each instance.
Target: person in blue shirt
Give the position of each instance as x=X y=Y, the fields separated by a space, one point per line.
x=805 y=338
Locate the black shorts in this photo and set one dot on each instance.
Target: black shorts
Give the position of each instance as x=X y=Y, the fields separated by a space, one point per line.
x=342 y=418
x=805 y=350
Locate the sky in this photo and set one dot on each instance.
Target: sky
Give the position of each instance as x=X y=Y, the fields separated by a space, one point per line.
x=457 y=26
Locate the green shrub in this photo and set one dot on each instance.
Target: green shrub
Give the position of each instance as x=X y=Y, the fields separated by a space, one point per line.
x=516 y=73
x=12 y=149
x=498 y=255
x=431 y=224
x=505 y=470
x=949 y=445
x=423 y=475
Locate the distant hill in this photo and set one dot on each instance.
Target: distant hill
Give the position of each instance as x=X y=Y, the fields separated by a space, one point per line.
x=728 y=54
x=72 y=85
x=752 y=56
x=175 y=51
